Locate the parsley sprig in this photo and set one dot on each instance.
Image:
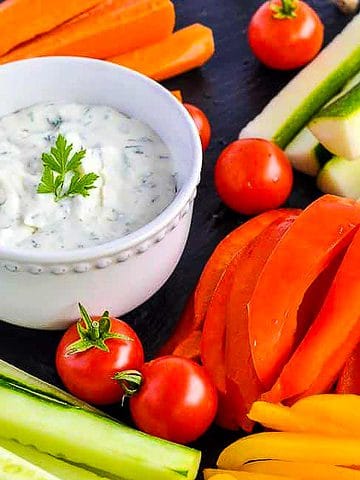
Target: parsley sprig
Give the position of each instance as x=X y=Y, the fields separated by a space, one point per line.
x=57 y=164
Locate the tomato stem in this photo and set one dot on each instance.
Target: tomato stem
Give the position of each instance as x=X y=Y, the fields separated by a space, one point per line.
x=130 y=381
x=93 y=333
x=284 y=9
x=95 y=330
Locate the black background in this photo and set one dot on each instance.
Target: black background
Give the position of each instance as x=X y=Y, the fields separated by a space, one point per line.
x=231 y=89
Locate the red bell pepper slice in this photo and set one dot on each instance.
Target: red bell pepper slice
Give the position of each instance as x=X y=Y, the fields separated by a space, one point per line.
x=190 y=347
x=222 y=257
x=213 y=337
x=307 y=248
x=242 y=383
x=349 y=380
x=335 y=333
x=182 y=330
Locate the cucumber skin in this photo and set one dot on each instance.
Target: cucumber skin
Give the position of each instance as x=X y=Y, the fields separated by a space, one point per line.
x=317 y=98
x=345 y=106
x=115 y=450
x=14 y=375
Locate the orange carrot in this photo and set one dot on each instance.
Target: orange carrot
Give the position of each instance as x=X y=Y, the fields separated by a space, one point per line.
x=114 y=26
x=186 y=49
x=177 y=94
x=21 y=20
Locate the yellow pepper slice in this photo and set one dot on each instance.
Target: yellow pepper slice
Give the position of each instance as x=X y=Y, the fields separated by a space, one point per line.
x=342 y=410
x=286 y=419
x=215 y=474
x=296 y=447
x=302 y=471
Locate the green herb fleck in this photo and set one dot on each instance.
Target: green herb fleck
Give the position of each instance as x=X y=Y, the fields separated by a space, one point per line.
x=57 y=164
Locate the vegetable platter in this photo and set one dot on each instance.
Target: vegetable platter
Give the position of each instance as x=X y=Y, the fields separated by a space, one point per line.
x=232 y=89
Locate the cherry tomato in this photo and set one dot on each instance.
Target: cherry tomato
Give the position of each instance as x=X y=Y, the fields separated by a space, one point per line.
x=285 y=34
x=92 y=351
x=202 y=123
x=253 y=175
x=177 y=400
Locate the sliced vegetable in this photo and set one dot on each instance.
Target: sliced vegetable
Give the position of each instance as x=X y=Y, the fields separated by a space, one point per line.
x=316 y=84
x=291 y=447
x=349 y=380
x=303 y=471
x=177 y=94
x=319 y=234
x=341 y=410
x=94 y=442
x=213 y=338
x=306 y=154
x=286 y=419
x=218 y=474
x=190 y=347
x=222 y=257
x=202 y=124
x=334 y=334
x=176 y=400
x=336 y=126
x=186 y=49
x=61 y=469
x=13 y=467
x=252 y=187
x=285 y=34
x=184 y=337
x=242 y=383
x=341 y=177
x=21 y=20
x=112 y=27
x=25 y=381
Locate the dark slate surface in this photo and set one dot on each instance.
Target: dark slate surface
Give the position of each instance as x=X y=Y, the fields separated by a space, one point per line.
x=231 y=89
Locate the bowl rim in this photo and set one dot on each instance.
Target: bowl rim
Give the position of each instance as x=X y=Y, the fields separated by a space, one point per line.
x=151 y=229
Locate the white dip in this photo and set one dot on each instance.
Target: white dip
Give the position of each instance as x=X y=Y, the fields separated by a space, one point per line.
x=137 y=178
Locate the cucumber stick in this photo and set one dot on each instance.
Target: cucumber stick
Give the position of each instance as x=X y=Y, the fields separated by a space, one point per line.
x=283 y=118
x=305 y=152
x=61 y=469
x=337 y=126
x=340 y=177
x=13 y=467
x=89 y=440
x=24 y=380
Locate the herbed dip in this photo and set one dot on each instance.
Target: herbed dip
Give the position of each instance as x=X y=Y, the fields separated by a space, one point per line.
x=137 y=178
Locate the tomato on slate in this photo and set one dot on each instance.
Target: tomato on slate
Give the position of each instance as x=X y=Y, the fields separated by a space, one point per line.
x=202 y=123
x=285 y=34
x=253 y=175
x=177 y=400
x=92 y=351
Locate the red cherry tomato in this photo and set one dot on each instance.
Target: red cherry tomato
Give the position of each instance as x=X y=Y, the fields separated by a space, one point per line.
x=202 y=123
x=177 y=400
x=285 y=34
x=87 y=361
x=253 y=175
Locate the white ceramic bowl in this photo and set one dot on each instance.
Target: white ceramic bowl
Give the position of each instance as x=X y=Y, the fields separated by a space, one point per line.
x=42 y=289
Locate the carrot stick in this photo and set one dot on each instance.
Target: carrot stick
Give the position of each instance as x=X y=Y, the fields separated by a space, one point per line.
x=177 y=94
x=186 y=49
x=21 y=20
x=114 y=26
